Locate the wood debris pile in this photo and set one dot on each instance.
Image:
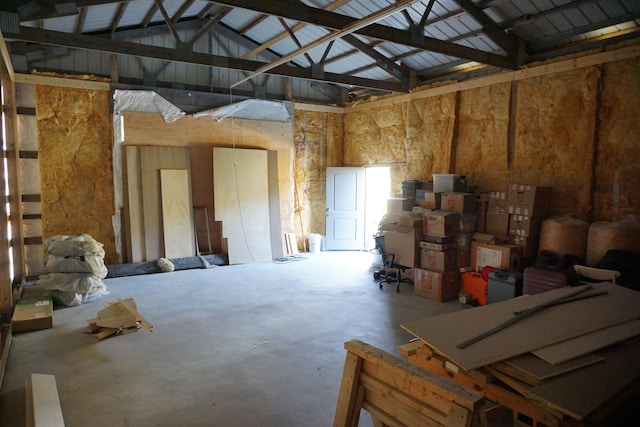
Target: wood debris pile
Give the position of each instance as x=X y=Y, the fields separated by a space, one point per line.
x=117 y=318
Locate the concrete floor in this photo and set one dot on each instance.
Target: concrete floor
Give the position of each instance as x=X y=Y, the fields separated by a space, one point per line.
x=247 y=345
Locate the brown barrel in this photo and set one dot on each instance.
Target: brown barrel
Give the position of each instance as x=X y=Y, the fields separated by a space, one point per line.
x=564 y=235
x=623 y=234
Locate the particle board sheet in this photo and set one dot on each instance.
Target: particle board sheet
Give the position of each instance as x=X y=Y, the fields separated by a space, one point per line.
x=581 y=392
x=177 y=218
x=578 y=346
x=241 y=200
x=548 y=326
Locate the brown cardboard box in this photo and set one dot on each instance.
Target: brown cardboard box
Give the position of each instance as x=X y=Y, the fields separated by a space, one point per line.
x=498 y=201
x=420 y=209
x=529 y=245
x=438 y=260
x=428 y=199
x=403 y=242
x=524 y=226
x=458 y=202
x=435 y=285
x=497 y=223
x=529 y=200
x=437 y=246
x=441 y=223
x=32 y=314
x=399 y=204
x=500 y=256
x=482 y=205
x=409 y=219
x=463 y=259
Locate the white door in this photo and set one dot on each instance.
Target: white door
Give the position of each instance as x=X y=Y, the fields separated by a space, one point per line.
x=345 y=209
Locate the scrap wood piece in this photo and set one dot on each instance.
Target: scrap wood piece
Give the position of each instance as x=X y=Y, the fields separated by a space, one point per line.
x=122 y=314
x=42 y=402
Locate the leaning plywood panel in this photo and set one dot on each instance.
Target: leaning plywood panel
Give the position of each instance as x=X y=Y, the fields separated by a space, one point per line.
x=75 y=154
x=177 y=216
x=152 y=160
x=133 y=203
x=555 y=136
x=617 y=190
x=241 y=199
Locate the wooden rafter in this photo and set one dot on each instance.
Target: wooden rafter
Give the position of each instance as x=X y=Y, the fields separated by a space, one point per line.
x=398 y=71
x=185 y=6
x=168 y=21
x=118 y=16
x=81 y=18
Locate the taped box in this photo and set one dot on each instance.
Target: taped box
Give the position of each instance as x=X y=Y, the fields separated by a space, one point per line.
x=503 y=256
x=438 y=260
x=436 y=285
x=458 y=202
x=529 y=200
x=441 y=223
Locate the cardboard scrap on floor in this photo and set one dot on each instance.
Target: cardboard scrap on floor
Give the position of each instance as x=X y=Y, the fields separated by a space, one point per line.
x=117 y=318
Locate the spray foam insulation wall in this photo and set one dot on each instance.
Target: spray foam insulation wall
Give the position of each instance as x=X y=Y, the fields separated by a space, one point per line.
x=617 y=189
x=75 y=153
x=318 y=145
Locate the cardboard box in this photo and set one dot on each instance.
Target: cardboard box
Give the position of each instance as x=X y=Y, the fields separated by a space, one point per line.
x=32 y=314
x=437 y=246
x=498 y=201
x=409 y=219
x=438 y=260
x=428 y=199
x=529 y=246
x=399 y=204
x=420 y=209
x=441 y=223
x=435 y=285
x=463 y=259
x=403 y=242
x=458 y=202
x=497 y=223
x=500 y=256
x=438 y=239
x=524 y=226
x=529 y=200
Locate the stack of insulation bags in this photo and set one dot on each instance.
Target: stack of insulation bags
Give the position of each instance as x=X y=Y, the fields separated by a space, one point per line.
x=75 y=266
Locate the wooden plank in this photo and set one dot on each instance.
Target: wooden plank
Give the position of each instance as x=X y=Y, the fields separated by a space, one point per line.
x=549 y=326
x=320 y=108
x=345 y=407
x=6 y=58
x=177 y=216
x=578 y=346
x=241 y=199
x=134 y=204
x=5 y=344
x=152 y=160
x=581 y=392
x=42 y=395
x=275 y=216
x=62 y=82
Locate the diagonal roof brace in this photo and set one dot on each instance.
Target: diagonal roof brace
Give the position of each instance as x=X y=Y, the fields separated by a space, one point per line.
x=348 y=29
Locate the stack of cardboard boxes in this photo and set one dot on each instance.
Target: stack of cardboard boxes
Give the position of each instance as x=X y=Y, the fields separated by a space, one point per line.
x=440 y=233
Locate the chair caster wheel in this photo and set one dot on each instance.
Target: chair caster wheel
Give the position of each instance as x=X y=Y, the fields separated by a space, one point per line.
x=380 y=285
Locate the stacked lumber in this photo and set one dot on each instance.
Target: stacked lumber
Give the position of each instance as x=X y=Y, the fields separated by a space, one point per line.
x=117 y=318
x=573 y=357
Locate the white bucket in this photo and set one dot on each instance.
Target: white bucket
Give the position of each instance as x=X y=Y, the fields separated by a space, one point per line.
x=315 y=242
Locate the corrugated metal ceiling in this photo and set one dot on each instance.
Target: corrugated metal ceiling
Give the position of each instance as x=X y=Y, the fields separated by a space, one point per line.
x=546 y=28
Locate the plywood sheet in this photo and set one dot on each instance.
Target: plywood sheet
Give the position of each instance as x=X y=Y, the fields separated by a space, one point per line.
x=202 y=191
x=135 y=213
x=548 y=326
x=177 y=216
x=585 y=344
x=152 y=160
x=580 y=393
x=241 y=198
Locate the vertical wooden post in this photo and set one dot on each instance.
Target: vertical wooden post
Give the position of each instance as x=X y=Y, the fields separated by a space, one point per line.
x=346 y=407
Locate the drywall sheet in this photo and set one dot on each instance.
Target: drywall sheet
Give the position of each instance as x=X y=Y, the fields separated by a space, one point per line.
x=75 y=154
x=548 y=326
x=152 y=160
x=617 y=190
x=541 y=370
x=585 y=344
x=241 y=199
x=581 y=392
x=177 y=217
x=556 y=118
x=202 y=191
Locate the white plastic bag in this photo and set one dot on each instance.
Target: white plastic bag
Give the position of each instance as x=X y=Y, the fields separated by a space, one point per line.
x=77 y=264
x=70 y=282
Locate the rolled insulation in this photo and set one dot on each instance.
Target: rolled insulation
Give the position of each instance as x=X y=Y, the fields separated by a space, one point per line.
x=623 y=234
x=564 y=235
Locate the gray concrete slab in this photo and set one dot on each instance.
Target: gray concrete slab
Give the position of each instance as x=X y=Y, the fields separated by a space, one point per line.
x=246 y=345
